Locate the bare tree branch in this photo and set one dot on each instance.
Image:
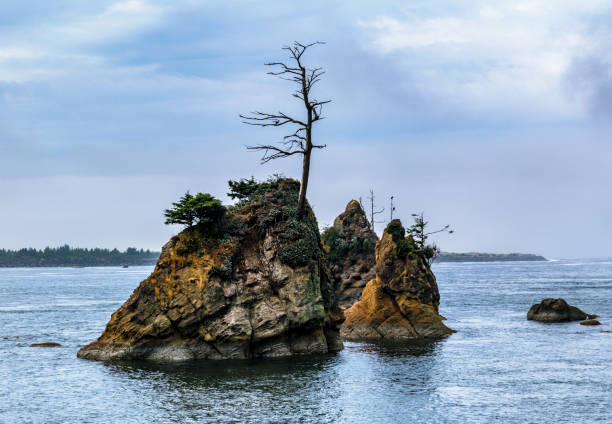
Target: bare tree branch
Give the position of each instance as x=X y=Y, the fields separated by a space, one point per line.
x=277 y=153
x=262 y=119
x=300 y=141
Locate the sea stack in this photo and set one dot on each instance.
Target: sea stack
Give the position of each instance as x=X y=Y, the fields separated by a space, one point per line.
x=349 y=250
x=254 y=286
x=402 y=301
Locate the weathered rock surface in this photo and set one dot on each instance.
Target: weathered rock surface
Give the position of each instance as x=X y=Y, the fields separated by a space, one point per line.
x=46 y=344
x=590 y=322
x=349 y=247
x=556 y=310
x=402 y=301
x=258 y=287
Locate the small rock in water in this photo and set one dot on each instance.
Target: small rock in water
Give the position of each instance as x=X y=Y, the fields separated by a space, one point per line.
x=556 y=310
x=46 y=344
x=590 y=322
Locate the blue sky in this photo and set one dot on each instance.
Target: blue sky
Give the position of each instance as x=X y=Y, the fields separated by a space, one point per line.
x=494 y=118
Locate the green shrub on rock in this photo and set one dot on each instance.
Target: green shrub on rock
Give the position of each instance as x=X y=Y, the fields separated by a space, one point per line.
x=396 y=230
x=405 y=246
x=299 y=253
x=202 y=209
x=243 y=188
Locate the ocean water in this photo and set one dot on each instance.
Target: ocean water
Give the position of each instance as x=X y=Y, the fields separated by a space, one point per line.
x=499 y=367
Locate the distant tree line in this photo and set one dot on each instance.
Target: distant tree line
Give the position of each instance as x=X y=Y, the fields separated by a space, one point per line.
x=488 y=257
x=75 y=256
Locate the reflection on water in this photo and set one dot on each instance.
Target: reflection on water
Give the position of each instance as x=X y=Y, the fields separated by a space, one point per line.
x=497 y=368
x=398 y=348
x=291 y=388
x=264 y=375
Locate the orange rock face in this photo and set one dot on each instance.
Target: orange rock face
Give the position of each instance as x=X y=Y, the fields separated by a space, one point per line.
x=401 y=302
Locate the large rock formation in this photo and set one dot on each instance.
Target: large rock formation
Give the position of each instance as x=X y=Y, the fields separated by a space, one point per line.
x=349 y=247
x=256 y=287
x=556 y=310
x=401 y=302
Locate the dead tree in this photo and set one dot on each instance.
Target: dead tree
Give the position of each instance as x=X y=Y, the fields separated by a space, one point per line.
x=300 y=141
x=373 y=212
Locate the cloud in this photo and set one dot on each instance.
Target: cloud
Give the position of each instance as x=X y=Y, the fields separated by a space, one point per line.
x=16 y=53
x=43 y=51
x=504 y=61
x=588 y=77
x=118 y=20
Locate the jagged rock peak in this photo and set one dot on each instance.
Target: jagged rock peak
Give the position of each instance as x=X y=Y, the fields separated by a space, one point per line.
x=353 y=216
x=349 y=247
x=256 y=286
x=402 y=301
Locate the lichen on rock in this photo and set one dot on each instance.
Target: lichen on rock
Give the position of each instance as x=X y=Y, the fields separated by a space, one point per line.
x=349 y=251
x=257 y=286
x=402 y=301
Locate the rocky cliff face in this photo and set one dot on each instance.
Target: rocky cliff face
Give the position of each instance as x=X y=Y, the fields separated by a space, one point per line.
x=349 y=247
x=257 y=287
x=401 y=302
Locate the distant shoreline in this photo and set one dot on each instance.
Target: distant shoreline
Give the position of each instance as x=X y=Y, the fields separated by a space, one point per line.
x=92 y=265
x=70 y=257
x=75 y=257
x=489 y=257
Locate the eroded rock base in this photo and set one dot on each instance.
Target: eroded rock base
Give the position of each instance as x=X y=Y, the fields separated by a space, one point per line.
x=379 y=316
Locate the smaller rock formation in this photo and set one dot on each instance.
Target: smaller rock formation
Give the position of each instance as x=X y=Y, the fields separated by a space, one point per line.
x=349 y=251
x=556 y=310
x=45 y=344
x=590 y=322
x=401 y=302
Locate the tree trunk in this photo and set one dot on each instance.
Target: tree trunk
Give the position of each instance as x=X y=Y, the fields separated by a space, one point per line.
x=304 y=183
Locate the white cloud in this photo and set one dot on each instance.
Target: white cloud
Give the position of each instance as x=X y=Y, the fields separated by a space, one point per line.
x=55 y=50
x=117 y=20
x=16 y=53
x=489 y=12
x=507 y=57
